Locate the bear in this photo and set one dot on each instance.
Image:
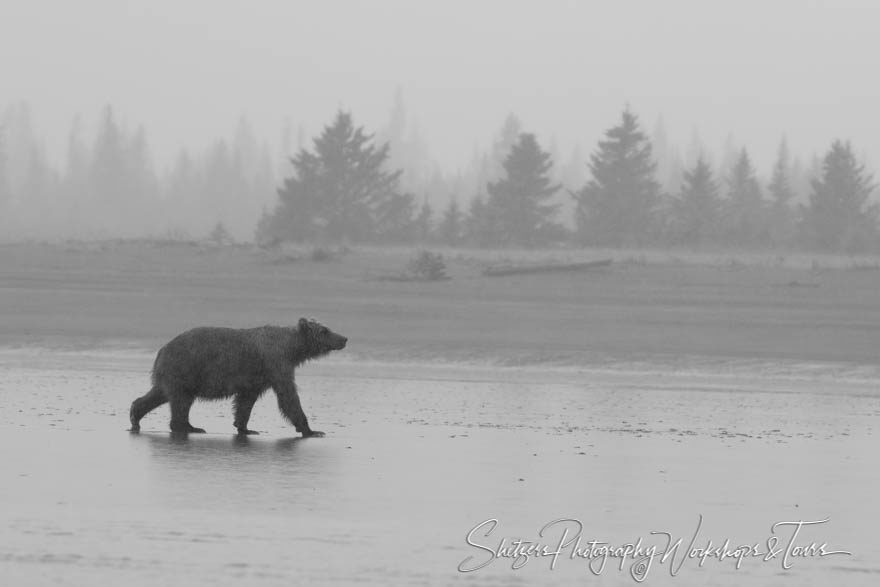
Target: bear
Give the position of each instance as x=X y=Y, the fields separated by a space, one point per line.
x=217 y=363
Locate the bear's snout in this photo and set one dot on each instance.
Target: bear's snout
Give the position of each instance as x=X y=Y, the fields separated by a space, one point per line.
x=335 y=342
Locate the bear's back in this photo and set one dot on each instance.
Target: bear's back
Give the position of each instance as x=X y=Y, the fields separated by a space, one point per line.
x=209 y=352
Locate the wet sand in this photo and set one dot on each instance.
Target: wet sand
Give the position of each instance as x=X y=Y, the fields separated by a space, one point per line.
x=417 y=455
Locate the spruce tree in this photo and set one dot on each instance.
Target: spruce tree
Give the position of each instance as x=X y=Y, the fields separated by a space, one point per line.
x=518 y=206
x=76 y=175
x=340 y=190
x=743 y=214
x=39 y=187
x=840 y=216
x=4 y=176
x=450 y=229
x=476 y=227
x=695 y=210
x=108 y=173
x=781 y=227
x=618 y=206
x=121 y=181
x=424 y=223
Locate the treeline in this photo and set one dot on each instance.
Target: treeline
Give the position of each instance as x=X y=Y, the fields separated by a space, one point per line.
x=342 y=190
x=349 y=185
x=109 y=186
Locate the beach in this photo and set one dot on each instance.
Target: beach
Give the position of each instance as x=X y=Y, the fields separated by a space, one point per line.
x=442 y=454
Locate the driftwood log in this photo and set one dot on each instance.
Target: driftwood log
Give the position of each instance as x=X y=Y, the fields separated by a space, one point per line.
x=502 y=270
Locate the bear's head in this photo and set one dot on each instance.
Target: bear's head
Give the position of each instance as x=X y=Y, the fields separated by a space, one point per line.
x=318 y=339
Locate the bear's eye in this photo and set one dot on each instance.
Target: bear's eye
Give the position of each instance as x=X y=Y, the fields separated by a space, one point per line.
x=325 y=331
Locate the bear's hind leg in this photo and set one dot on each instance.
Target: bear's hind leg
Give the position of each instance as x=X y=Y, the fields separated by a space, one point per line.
x=144 y=405
x=244 y=402
x=181 y=402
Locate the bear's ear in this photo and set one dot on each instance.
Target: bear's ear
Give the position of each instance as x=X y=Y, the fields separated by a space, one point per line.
x=303 y=326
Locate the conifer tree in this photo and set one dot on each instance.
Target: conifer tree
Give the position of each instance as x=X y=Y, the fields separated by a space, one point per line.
x=518 y=206
x=840 y=216
x=781 y=225
x=424 y=223
x=695 y=210
x=122 y=185
x=618 y=206
x=4 y=175
x=477 y=222
x=450 y=229
x=743 y=214
x=108 y=171
x=341 y=190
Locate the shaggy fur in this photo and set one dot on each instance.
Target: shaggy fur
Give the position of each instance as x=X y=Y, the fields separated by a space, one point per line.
x=217 y=363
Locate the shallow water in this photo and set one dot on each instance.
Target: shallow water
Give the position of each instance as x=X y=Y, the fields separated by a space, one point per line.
x=415 y=457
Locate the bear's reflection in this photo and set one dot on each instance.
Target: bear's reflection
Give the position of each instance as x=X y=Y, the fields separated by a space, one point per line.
x=217 y=450
x=176 y=441
x=192 y=470
x=241 y=473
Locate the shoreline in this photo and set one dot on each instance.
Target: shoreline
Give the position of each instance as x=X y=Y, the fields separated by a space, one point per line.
x=715 y=373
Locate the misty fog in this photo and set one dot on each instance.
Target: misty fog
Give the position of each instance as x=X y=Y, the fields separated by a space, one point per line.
x=194 y=109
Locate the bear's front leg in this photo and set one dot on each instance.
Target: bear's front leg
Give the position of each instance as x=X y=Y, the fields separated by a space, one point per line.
x=288 y=403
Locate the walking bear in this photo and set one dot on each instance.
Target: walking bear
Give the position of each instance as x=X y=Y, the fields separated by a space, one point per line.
x=217 y=363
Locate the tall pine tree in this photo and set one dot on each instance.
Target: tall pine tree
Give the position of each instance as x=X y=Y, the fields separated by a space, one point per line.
x=341 y=190
x=122 y=185
x=695 y=210
x=840 y=216
x=476 y=228
x=450 y=229
x=424 y=223
x=781 y=225
x=743 y=214
x=108 y=173
x=4 y=175
x=518 y=206
x=618 y=206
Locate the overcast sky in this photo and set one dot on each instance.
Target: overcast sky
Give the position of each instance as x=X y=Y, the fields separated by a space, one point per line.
x=188 y=70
